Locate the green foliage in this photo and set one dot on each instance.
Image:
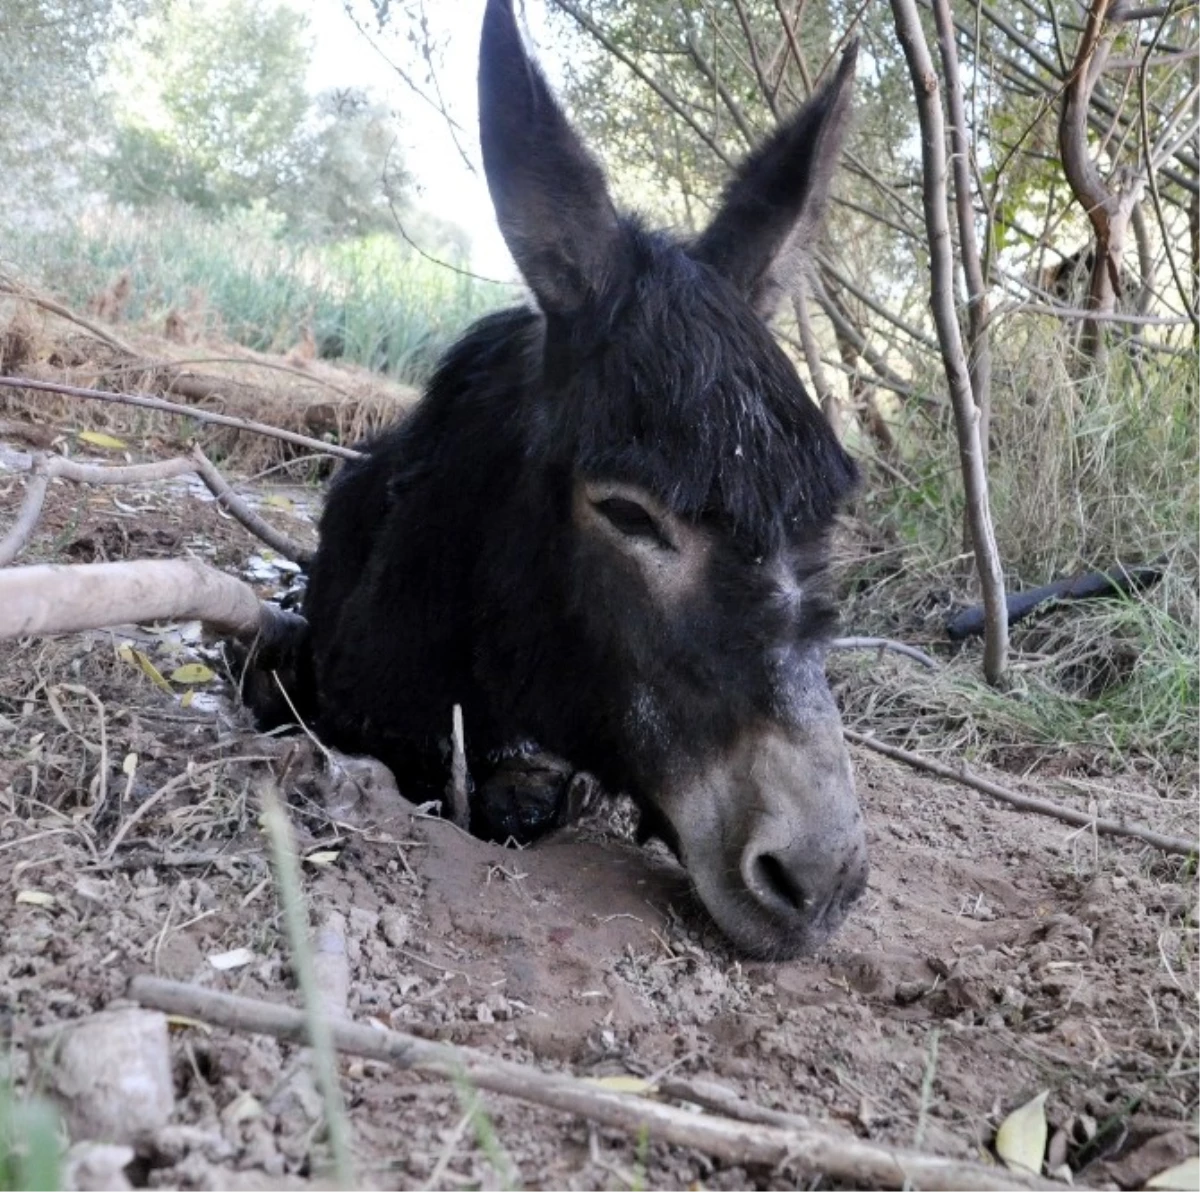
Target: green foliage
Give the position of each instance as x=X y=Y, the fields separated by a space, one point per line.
x=51 y=54
x=1085 y=474
x=209 y=103
x=368 y=300
x=29 y=1147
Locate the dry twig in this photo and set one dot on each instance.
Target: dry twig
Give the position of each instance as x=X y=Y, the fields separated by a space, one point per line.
x=842 y=1156
x=170 y=407
x=1168 y=844
x=884 y=643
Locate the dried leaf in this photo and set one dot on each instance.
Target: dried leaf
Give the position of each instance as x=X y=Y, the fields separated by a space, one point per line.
x=238 y=958
x=192 y=672
x=35 y=898
x=1184 y=1176
x=96 y=438
x=180 y=1021
x=1021 y=1139
x=129 y=765
x=623 y=1084
x=132 y=654
x=323 y=857
x=279 y=501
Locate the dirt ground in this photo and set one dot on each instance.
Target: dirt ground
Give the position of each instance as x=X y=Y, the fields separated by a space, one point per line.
x=996 y=955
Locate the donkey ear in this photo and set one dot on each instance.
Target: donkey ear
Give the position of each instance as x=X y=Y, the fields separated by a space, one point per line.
x=548 y=191
x=771 y=211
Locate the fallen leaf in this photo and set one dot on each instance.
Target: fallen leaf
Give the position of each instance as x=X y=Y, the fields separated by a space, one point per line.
x=142 y=662
x=1021 y=1139
x=95 y=438
x=323 y=857
x=179 y=1021
x=35 y=898
x=623 y=1084
x=1185 y=1176
x=192 y=672
x=129 y=765
x=279 y=501
x=238 y=958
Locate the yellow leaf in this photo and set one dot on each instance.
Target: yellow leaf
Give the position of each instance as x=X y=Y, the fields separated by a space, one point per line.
x=623 y=1084
x=1021 y=1139
x=97 y=438
x=238 y=958
x=129 y=765
x=192 y=672
x=1185 y=1176
x=279 y=501
x=179 y=1021
x=323 y=857
x=134 y=655
x=35 y=898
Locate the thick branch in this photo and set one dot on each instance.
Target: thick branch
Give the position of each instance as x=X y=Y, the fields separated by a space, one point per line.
x=979 y=353
x=47 y=598
x=837 y=1154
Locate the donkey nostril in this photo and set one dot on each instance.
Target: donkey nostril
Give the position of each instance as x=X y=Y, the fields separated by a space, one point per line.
x=777 y=881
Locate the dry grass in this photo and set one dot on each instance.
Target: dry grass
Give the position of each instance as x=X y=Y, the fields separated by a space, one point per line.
x=340 y=404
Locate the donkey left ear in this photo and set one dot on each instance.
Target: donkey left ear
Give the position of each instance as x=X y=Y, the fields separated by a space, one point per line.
x=549 y=193
x=771 y=211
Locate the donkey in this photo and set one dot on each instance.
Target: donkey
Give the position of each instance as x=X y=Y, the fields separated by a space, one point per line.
x=604 y=528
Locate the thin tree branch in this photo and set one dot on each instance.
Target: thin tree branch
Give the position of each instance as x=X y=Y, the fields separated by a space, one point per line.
x=1168 y=844
x=169 y=407
x=884 y=643
x=966 y=415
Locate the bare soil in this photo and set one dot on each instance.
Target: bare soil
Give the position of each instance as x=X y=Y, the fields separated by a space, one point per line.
x=995 y=956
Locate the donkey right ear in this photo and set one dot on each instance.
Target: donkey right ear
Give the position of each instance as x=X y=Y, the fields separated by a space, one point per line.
x=548 y=191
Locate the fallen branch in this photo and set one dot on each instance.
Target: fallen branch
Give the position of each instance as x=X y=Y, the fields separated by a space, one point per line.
x=1168 y=844
x=839 y=1155
x=66 y=599
x=1117 y=582
x=277 y=540
x=170 y=407
x=44 y=468
x=884 y=643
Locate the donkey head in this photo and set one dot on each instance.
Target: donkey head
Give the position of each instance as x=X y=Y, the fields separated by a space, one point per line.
x=688 y=485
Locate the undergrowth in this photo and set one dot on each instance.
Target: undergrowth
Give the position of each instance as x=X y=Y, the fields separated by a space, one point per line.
x=371 y=301
x=1084 y=474
x=29 y=1147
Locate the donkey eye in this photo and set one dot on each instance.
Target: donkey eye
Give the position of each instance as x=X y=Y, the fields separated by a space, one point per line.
x=632 y=520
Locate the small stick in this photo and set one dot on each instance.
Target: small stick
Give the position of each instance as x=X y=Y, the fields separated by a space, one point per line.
x=170 y=407
x=1169 y=844
x=841 y=1156
x=884 y=643
x=277 y=540
x=460 y=809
